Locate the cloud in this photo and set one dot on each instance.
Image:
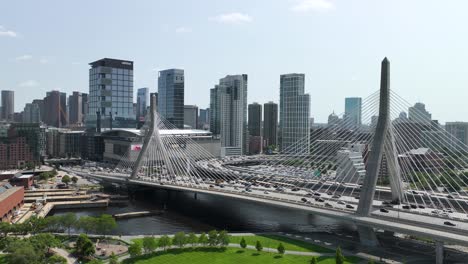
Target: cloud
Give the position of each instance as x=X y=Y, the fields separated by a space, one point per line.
x=29 y=83
x=233 y=18
x=303 y=6
x=7 y=33
x=43 y=61
x=182 y=30
x=25 y=57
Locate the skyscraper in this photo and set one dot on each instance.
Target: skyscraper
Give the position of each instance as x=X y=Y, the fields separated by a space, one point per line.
x=255 y=128
x=353 y=111
x=270 y=123
x=75 y=108
x=459 y=131
x=84 y=106
x=31 y=113
x=8 y=105
x=142 y=104
x=55 y=108
x=204 y=119
x=191 y=115
x=228 y=111
x=255 y=119
x=171 y=96
x=294 y=114
x=419 y=114
x=111 y=93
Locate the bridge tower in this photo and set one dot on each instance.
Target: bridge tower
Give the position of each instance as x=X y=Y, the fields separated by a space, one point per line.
x=152 y=143
x=383 y=144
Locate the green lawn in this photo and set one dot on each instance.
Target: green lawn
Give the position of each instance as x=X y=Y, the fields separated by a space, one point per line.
x=272 y=241
x=223 y=256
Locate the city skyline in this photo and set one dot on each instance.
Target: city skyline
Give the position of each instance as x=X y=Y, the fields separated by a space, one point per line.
x=189 y=39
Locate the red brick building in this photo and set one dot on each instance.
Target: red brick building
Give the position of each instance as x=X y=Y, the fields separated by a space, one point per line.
x=15 y=153
x=11 y=200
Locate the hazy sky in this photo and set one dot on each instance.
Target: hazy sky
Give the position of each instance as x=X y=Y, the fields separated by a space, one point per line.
x=338 y=44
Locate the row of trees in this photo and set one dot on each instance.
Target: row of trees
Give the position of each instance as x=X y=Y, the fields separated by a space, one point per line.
x=101 y=225
x=150 y=244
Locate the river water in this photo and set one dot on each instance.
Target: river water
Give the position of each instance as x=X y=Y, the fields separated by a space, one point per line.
x=185 y=213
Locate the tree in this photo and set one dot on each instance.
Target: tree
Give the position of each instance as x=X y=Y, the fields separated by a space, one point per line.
x=149 y=244
x=212 y=238
x=192 y=239
x=242 y=243
x=258 y=246
x=164 y=242
x=339 y=258
x=84 y=247
x=68 y=221
x=66 y=179
x=22 y=252
x=88 y=224
x=44 y=176
x=74 y=179
x=105 y=224
x=202 y=239
x=223 y=238
x=36 y=224
x=281 y=248
x=95 y=261
x=135 y=249
x=314 y=260
x=179 y=239
x=43 y=242
x=56 y=259
x=113 y=259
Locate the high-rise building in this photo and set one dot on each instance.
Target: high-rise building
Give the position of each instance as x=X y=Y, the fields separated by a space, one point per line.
x=294 y=114
x=31 y=113
x=255 y=128
x=204 y=119
x=171 y=96
x=353 y=111
x=228 y=112
x=142 y=104
x=191 y=115
x=84 y=106
x=111 y=94
x=40 y=105
x=55 y=108
x=459 y=131
x=419 y=114
x=255 y=119
x=270 y=124
x=8 y=105
x=75 y=109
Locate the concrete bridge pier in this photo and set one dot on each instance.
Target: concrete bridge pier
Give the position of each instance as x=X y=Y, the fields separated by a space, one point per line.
x=367 y=236
x=439 y=248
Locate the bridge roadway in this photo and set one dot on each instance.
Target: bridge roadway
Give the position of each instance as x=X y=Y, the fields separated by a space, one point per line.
x=401 y=222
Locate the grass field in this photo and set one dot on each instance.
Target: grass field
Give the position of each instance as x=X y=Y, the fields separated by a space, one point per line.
x=272 y=241
x=224 y=256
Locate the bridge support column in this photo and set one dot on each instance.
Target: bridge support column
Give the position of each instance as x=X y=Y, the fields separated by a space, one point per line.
x=439 y=248
x=367 y=236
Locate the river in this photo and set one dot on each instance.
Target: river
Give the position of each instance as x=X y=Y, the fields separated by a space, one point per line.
x=185 y=213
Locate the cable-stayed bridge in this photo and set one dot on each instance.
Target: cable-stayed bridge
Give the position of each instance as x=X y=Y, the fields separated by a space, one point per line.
x=400 y=174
